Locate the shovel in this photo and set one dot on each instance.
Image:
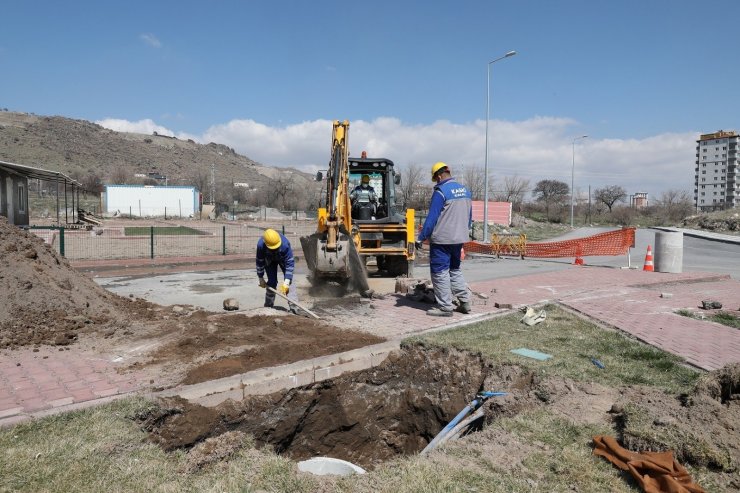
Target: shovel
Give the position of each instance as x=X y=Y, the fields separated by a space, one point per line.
x=293 y=302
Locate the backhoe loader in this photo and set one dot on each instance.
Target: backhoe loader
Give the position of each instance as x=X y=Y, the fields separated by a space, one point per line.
x=349 y=234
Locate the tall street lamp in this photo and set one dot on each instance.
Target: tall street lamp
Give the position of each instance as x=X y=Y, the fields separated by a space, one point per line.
x=485 y=166
x=572 y=173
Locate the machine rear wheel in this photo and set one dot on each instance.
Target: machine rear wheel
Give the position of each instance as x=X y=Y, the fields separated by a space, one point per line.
x=399 y=266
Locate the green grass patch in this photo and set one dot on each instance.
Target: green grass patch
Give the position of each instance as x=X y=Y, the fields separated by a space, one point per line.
x=724 y=318
x=103 y=449
x=572 y=341
x=727 y=319
x=564 y=461
x=162 y=230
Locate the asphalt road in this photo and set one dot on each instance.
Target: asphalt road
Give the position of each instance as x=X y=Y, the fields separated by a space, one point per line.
x=209 y=288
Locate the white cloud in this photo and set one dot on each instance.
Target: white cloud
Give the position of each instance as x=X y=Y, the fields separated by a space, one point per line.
x=151 y=40
x=537 y=148
x=146 y=126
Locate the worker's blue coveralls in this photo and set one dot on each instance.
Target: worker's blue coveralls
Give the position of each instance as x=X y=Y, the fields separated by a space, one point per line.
x=447 y=228
x=268 y=262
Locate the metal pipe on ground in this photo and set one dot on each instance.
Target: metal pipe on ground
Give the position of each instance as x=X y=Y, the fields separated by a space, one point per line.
x=474 y=404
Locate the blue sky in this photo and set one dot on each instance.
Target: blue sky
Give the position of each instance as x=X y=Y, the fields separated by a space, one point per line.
x=641 y=78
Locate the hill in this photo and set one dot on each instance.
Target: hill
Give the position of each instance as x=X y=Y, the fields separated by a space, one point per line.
x=89 y=153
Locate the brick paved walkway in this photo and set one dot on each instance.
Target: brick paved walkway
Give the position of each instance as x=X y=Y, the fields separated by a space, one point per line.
x=48 y=379
x=44 y=379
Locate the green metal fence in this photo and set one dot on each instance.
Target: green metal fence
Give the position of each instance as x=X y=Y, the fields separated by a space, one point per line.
x=132 y=241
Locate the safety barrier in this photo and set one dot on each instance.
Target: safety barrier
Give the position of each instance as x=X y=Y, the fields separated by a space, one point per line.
x=500 y=245
x=617 y=242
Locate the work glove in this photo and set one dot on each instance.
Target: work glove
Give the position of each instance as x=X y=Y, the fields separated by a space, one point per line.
x=418 y=245
x=263 y=284
x=285 y=287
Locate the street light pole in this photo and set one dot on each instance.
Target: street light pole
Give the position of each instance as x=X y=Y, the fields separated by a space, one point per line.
x=485 y=166
x=572 y=174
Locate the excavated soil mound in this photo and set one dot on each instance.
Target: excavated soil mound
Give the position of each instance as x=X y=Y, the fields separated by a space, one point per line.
x=702 y=427
x=210 y=346
x=42 y=299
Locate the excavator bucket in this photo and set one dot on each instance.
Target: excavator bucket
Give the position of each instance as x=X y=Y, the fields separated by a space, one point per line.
x=342 y=264
x=359 y=273
x=310 y=245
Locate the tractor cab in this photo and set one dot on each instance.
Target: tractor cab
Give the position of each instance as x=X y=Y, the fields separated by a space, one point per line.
x=377 y=201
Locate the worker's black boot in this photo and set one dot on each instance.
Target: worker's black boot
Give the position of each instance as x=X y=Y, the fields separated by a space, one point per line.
x=438 y=312
x=464 y=307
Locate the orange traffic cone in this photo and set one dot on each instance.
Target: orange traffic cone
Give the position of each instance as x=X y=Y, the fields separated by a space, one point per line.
x=578 y=260
x=462 y=253
x=649 y=260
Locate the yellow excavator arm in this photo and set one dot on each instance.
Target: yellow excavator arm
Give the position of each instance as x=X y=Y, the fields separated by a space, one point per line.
x=331 y=252
x=339 y=209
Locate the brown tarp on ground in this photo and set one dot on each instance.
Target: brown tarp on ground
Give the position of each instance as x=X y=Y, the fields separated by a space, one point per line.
x=656 y=472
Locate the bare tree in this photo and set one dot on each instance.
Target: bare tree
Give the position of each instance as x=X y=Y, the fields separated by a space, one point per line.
x=610 y=195
x=513 y=190
x=119 y=176
x=550 y=192
x=201 y=180
x=412 y=178
x=282 y=187
x=92 y=183
x=423 y=197
x=676 y=204
x=474 y=180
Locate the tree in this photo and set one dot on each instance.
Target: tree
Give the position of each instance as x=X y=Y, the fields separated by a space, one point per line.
x=412 y=179
x=282 y=187
x=474 y=180
x=610 y=195
x=201 y=180
x=92 y=183
x=118 y=176
x=676 y=204
x=550 y=192
x=513 y=190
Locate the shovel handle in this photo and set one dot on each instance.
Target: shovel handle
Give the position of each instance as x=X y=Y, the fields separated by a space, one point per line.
x=272 y=290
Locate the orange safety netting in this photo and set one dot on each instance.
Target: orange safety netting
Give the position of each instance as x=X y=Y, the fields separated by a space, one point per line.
x=615 y=242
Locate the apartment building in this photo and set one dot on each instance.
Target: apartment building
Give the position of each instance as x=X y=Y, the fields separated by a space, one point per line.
x=716 y=183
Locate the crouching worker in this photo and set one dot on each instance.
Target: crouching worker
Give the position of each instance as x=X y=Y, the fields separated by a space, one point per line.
x=273 y=251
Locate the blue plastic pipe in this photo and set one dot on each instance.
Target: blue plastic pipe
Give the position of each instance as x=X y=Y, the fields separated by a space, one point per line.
x=480 y=398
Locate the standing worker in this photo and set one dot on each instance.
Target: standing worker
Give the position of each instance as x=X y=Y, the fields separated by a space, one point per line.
x=446 y=227
x=274 y=250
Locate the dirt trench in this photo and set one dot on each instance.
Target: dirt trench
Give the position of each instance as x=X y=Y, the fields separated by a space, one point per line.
x=366 y=418
x=397 y=408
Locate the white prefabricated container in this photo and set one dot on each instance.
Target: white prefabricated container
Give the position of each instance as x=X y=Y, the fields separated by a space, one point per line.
x=321 y=466
x=151 y=201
